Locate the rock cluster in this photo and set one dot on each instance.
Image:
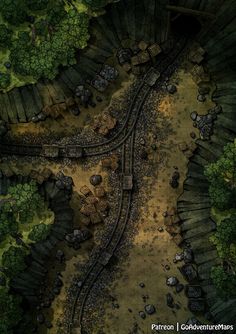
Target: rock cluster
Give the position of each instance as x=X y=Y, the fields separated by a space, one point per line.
x=174 y=181
x=104 y=123
x=42 y=176
x=106 y=75
x=205 y=123
x=94 y=204
x=77 y=237
x=85 y=96
x=64 y=182
x=171 y=222
x=187 y=149
x=110 y=162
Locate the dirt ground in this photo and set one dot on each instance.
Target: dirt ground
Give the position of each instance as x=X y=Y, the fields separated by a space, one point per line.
x=153 y=250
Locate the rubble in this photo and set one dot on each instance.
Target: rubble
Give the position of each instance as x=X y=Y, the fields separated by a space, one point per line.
x=109 y=73
x=103 y=123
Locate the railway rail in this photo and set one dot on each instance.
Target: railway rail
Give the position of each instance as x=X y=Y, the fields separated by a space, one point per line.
x=109 y=145
x=99 y=263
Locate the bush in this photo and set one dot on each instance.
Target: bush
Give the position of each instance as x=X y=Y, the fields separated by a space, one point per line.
x=224 y=282
x=5 y=36
x=222 y=178
x=8 y=223
x=40 y=232
x=5 y=80
x=27 y=200
x=10 y=311
x=14 y=261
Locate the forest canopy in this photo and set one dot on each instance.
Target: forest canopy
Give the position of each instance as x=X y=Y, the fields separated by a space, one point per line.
x=39 y=36
x=222 y=190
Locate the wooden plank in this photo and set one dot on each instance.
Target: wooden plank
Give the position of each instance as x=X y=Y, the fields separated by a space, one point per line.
x=37 y=97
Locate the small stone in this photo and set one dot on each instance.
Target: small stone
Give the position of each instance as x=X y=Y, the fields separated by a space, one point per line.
x=160 y=229
x=188 y=255
x=154 y=147
x=201 y=98
x=167 y=267
x=193 y=116
x=169 y=300
x=98 y=98
x=193 y=291
x=171 y=89
x=142 y=141
x=179 y=256
x=172 y=281
x=193 y=135
x=142 y=285
x=179 y=287
x=150 y=309
x=40 y=318
x=130 y=311
x=142 y=315
x=60 y=255
x=95 y=180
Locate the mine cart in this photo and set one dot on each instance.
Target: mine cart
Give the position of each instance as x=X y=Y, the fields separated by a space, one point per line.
x=105 y=258
x=151 y=77
x=74 y=151
x=127 y=182
x=154 y=50
x=50 y=151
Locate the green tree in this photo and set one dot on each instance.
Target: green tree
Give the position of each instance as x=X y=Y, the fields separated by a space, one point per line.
x=13 y=11
x=224 y=282
x=222 y=178
x=5 y=36
x=37 y=4
x=8 y=223
x=10 y=311
x=26 y=200
x=14 y=261
x=5 y=80
x=39 y=232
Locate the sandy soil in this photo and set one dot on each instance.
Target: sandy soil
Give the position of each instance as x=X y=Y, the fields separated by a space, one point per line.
x=153 y=250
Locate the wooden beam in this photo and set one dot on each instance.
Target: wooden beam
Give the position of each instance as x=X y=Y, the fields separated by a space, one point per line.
x=188 y=11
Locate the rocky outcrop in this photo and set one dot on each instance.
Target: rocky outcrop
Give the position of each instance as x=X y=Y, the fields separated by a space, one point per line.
x=29 y=282
x=194 y=207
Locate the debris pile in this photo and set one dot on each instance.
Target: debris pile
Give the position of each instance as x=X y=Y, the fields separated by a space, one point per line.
x=104 y=123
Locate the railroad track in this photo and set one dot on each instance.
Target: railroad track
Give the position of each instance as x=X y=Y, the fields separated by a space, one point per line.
x=109 y=248
x=109 y=145
x=119 y=226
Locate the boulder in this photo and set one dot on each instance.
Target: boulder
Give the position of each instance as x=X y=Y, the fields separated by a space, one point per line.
x=150 y=309
x=169 y=300
x=172 y=281
x=193 y=291
x=95 y=179
x=196 y=305
x=189 y=272
x=171 y=88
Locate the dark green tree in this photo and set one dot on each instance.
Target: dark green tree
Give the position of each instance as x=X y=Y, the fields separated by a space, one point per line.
x=14 y=261
x=5 y=80
x=35 y=5
x=26 y=200
x=10 y=311
x=222 y=178
x=8 y=223
x=5 y=36
x=224 y=282
x=13 y=11
x=39 y=232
